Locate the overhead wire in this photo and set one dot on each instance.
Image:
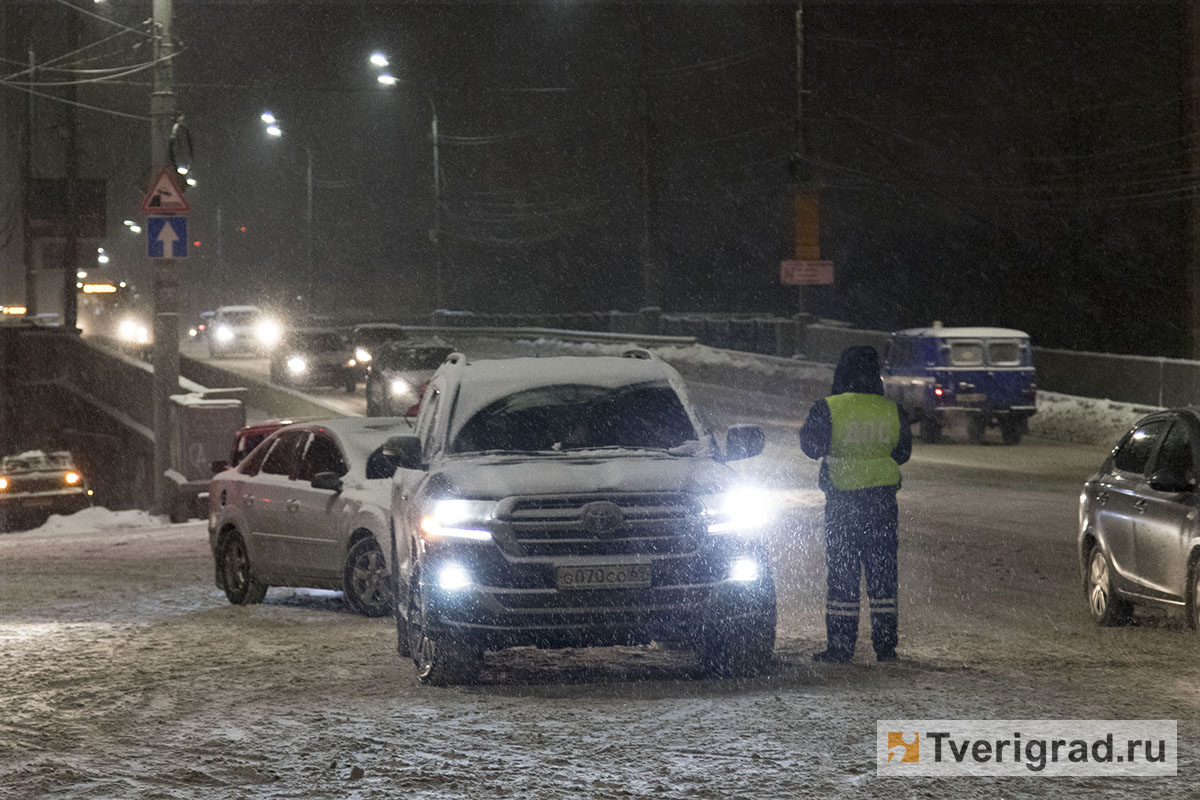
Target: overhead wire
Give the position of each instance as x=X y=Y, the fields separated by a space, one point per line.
x=103 y=18
x=83 y=81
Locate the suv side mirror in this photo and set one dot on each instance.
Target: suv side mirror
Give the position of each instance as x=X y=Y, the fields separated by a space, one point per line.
x=404 y=451
x=743 y=441
x=327 y=480
x=1172 y=481
x=219 y=466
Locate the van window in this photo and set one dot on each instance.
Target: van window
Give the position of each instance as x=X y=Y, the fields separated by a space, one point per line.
x=1004 y=353
x=966 y=354
x=903 y=353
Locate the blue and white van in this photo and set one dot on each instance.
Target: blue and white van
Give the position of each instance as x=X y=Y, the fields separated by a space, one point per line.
x=984 y=376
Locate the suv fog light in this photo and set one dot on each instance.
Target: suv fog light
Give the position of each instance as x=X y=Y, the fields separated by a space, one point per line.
x=744 y=570
x=453 y=577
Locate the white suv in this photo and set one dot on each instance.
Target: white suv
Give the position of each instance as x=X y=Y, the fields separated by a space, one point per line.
x=244 y=330
x=563 y=502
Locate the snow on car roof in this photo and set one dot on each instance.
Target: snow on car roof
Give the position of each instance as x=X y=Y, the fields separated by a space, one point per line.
x=362 y=435
x=966 y=333
x=34 y=460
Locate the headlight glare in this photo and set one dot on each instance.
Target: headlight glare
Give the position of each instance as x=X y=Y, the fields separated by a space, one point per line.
x=744 y=570
x=400 y=387
x=459 y=519
x=3 y=484
x=453 y=577
x=744 y=509
x=268 y=332
x=72 y=478
x=224 y=333
x=297 y=365
x=362 y=355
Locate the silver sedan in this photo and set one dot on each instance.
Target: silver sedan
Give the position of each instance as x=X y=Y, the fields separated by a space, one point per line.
x=308 y=507
x=1138 y=536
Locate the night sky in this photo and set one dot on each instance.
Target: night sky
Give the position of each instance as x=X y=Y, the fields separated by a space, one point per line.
x=1016 y=165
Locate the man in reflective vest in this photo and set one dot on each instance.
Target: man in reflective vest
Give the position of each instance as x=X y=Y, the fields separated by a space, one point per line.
x=862 y=439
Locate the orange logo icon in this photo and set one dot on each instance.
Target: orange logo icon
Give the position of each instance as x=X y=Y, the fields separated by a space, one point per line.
x=906 y=747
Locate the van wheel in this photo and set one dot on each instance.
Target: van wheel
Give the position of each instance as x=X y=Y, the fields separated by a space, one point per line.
x=931 y=429
x=1012 y=429
x=976 y=428
x=242 y=586
x=1106 y=607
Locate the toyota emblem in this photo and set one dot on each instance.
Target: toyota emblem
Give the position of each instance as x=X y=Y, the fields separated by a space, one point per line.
x=602 y=517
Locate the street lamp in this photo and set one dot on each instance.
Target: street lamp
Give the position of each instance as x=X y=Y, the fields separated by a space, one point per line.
x=274 y=130
x=379 y=60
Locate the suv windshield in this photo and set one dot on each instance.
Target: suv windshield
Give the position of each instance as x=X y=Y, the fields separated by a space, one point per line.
x=239 y=317
x=574 y=417
x=417 y=358
x=318 y=342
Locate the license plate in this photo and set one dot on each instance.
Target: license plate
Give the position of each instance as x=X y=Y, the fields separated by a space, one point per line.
x=972 y=398
x=604 y=576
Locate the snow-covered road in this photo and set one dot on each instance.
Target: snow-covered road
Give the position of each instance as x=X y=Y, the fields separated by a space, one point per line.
x=124 y=673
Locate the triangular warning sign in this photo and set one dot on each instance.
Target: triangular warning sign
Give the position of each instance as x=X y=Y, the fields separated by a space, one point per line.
x=164 y=196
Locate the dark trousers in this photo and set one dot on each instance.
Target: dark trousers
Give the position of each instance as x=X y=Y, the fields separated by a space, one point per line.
x=860 y=533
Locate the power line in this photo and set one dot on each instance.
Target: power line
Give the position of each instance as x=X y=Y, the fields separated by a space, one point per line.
x=99 y=109
x=103 y=18
x=128 y=71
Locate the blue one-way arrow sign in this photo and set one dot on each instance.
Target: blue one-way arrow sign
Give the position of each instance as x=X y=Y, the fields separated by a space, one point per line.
x=166 y=237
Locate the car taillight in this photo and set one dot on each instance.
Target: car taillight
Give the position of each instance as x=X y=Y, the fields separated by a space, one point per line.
x=938 y=391
x=72 y=478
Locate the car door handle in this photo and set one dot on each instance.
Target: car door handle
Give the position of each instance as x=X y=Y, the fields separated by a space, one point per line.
x=1140 y=505
x=248 y=500
x=292 y=504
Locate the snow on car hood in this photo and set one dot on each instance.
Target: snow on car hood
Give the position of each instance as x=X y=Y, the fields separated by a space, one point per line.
x=585 y=472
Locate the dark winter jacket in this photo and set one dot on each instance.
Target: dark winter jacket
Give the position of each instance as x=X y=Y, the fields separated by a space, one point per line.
x=858 y=372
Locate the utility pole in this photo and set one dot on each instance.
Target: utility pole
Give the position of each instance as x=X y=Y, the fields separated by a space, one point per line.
x=652 y=279
x=71 y=249
x=166 y=276
x=308 y=220
x=1190 y=80
x=801 y=176
x=435 y=233
x=27 y=171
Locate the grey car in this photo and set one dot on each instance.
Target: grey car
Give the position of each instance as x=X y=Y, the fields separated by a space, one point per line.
x=1138 y=538
x=308 y=507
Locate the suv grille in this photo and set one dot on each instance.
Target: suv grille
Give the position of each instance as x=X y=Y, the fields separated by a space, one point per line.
x=649 y=524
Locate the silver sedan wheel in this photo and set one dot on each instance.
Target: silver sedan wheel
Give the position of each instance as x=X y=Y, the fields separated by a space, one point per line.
x=368 y=584
x=1098 y=585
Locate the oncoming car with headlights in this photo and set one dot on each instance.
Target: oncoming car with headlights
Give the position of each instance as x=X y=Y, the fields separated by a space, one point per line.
x=565 y=502
x=315 y=357
x=398 y=375
x=36 y=484
x=242 y=330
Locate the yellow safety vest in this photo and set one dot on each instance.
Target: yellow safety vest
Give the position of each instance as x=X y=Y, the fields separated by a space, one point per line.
x=865 y=430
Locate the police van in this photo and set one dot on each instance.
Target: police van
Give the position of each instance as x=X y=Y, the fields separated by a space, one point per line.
x=982 y=377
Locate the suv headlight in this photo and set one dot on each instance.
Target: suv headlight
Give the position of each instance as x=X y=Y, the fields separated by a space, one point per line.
x=400 y=387
x=361 y=355
x=297 y=365
x=459 y=519
x=223 y=333
x=738 y=510
x=268 y=333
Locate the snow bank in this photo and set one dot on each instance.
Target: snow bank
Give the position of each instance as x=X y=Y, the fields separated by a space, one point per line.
x=1084 y=420
x=98 y=519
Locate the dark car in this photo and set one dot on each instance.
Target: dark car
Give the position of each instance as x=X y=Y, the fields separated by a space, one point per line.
x=981 y=376
x=315 y=357
x=398 y=374
x=1138 y=537
x=35 y=484
x=370 y=337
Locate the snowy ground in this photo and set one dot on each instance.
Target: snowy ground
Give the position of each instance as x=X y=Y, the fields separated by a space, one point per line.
x=125 y=674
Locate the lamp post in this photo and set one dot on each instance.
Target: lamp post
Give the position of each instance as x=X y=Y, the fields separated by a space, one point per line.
x=273 y=130
x=380 y=61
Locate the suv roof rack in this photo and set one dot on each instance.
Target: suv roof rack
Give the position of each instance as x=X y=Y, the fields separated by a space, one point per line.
x=639 y=353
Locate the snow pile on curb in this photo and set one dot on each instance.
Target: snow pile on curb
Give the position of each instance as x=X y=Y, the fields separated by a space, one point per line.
x=99 y=519
x=1085 y=420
